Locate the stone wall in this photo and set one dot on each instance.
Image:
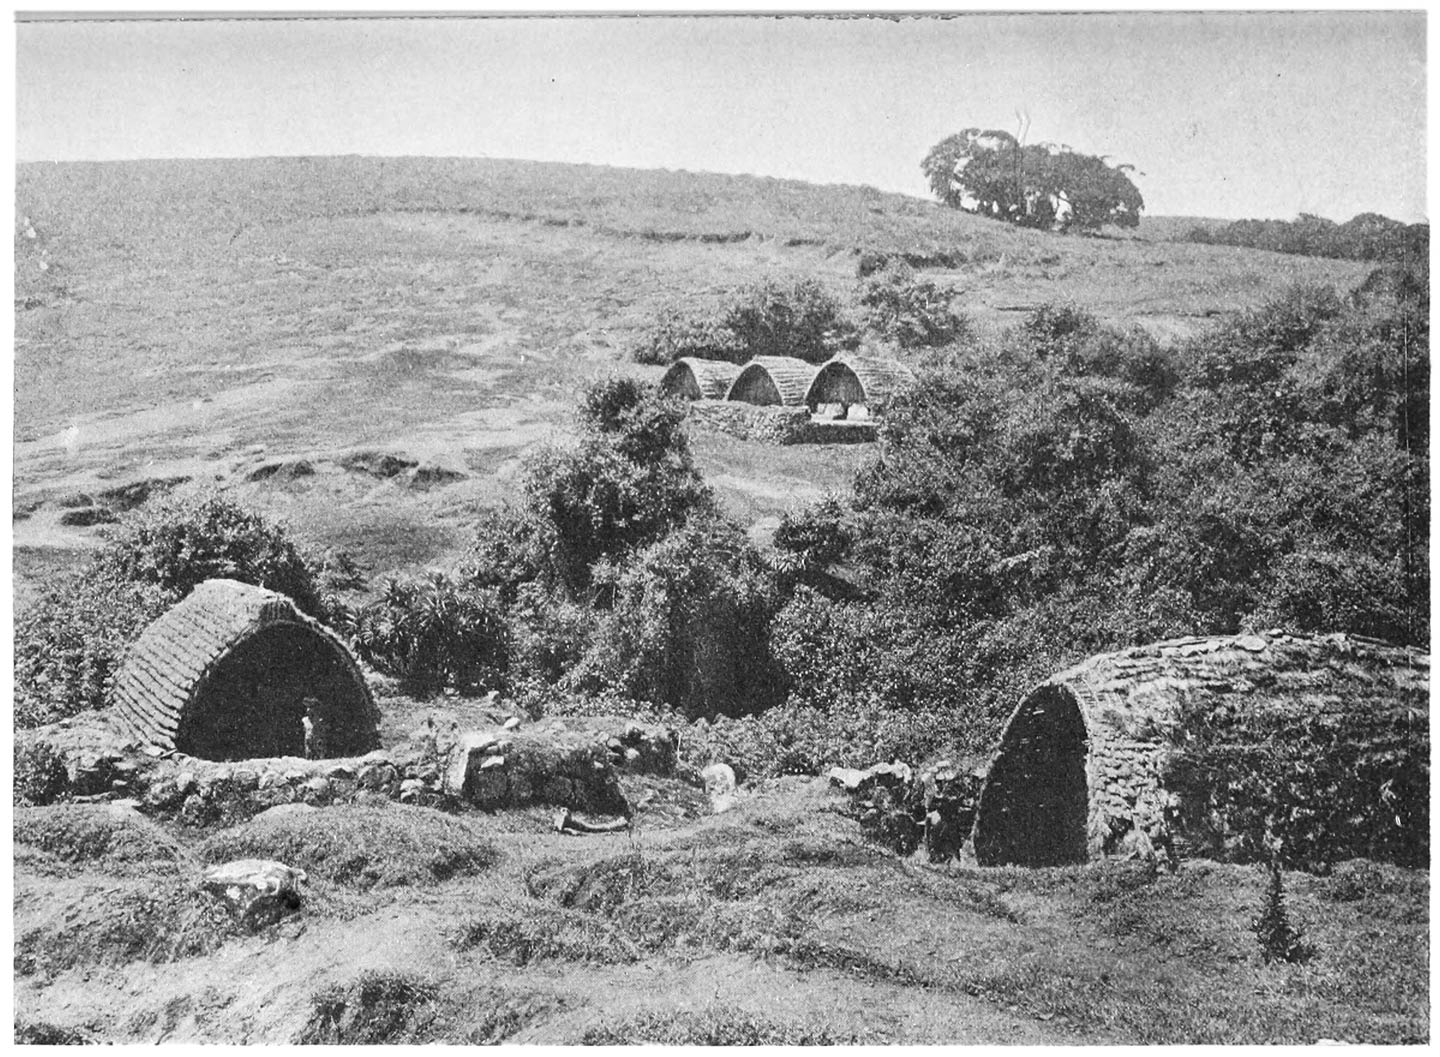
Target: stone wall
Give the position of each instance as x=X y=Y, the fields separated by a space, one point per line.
x=772 y=424
x=493 y=769
x=1131 y=813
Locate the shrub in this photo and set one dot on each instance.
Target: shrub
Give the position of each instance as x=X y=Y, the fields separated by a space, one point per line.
x=433 y=633
x=681 y=331
x=767 y=318
x=184 y=539
x=40 y=776
x=549 y=635
x=378 y=1007
x=69 y=643
x=509 y=548
x=1279 y=940
x=800 y=319
x=913 y=313
x=689 y=625
x=361 y=847
x=813 y=537
x=629 y=482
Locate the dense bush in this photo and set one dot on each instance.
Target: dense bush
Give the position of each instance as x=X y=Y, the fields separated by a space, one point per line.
x=1074 y=489
x=433 y=633
x=689 y=625
x=628 y=482
x=184 y=539
x=69 y=643
x=682 y=330
x=913 y=313
x=766 y=318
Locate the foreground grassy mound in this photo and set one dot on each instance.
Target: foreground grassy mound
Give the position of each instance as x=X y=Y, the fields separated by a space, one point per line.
x=361 y=847
x=113 y=924
x=93 y=834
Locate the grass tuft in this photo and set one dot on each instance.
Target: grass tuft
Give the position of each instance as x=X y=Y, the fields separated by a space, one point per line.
x=716 y=1026
x=376 y=1008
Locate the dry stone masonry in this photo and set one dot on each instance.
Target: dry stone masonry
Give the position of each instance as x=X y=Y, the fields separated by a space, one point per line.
x=776 y=424
x=1312 y=746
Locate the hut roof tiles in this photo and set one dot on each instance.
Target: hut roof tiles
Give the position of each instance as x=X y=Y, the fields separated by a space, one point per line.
x=789 y=376
x=699 y=379
x=876 y=377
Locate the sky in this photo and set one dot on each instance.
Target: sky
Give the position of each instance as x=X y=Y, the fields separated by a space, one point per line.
x=1224 y=114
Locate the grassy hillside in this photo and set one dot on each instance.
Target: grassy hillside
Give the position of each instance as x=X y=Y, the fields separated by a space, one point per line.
x=198 y=319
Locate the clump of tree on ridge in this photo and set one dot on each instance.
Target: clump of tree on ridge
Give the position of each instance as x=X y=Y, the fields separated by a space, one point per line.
x=1366 y=237
x=992 y=174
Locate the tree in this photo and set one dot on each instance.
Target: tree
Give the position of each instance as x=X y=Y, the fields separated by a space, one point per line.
x=627 y=483
x=990 y=173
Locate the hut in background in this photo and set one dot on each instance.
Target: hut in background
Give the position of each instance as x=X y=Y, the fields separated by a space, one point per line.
x=780 y=380
x=849 y=381
x=691 y=378
x=1217 y=746
x=234 y=671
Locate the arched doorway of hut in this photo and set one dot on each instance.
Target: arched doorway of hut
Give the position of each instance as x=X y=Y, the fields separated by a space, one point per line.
x=256 y=700
x=1034 y=808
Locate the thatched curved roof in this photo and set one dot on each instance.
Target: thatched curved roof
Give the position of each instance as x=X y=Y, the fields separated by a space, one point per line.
x=1089 y=761
x=1137 y=694
x=692 y=378
x=852 y=379
x=227 y=669
x=773 y=380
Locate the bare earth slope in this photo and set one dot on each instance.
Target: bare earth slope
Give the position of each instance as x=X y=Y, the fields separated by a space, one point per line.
x=210 y=319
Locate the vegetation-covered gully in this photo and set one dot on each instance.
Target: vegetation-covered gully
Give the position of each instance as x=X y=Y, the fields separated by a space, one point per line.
x=427 y=671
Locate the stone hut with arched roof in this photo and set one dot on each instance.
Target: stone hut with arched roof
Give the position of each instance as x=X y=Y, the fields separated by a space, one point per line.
x=691 y=378
x=1229 y=747
x=850 y=381
x=782 y=380
x=234 y=671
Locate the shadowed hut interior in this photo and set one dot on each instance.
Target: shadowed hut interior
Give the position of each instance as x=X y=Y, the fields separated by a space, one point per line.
x=766 y=380
x=690 y=378
x=850 y=386
x=1037 y=802
x=236 y=672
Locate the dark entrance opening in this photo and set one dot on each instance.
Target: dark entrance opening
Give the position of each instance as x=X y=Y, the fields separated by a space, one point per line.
x=256 y=698
x=1035 y=805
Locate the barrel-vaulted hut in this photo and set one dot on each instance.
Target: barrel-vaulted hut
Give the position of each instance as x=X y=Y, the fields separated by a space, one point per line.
x=691 y=378
x=850 y=381
x=235 y=672
x=773 y=380
x=1216 y=746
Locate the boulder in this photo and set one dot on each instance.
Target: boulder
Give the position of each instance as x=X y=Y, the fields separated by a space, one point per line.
x=466 y=759
x=719 y=779
x=258 y=891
